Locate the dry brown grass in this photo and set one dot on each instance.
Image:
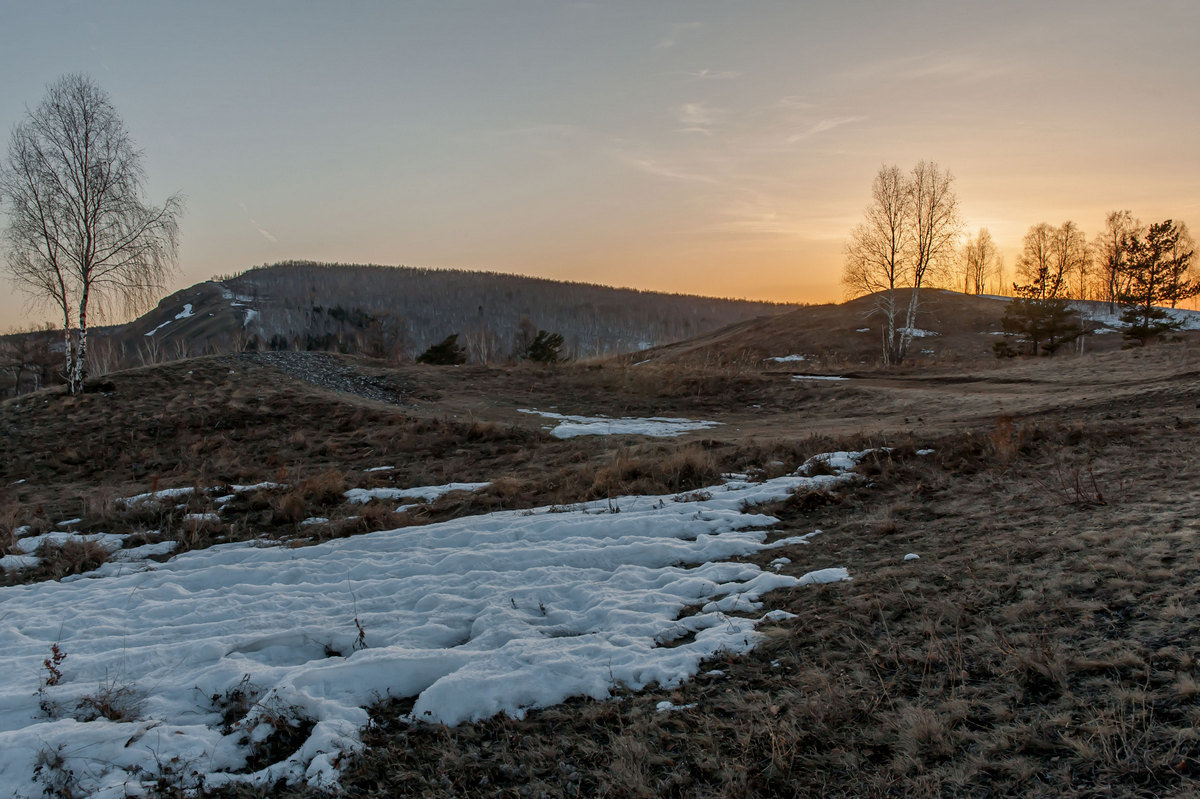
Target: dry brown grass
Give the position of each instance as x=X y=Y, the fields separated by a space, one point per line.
x=60 y=560
x=1040 y=647
x=1043 y=645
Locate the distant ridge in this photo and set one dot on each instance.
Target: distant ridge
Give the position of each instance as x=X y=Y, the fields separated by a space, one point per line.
x=397 y=312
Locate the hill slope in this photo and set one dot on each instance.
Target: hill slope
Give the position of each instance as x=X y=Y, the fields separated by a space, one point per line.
x=953 y=329
x=400 y=311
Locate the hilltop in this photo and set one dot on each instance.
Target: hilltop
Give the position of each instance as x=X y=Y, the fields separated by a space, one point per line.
x=400 y=311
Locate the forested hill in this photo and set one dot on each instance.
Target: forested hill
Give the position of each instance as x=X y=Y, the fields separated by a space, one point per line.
x=400 y=311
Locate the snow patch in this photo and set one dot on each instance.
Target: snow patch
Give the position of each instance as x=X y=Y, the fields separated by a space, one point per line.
x=822 y=576
x=471 y=617
x=362 y=496
x=19 y=562
x=832 y=378
x=184 y=314
x=654 y=426
x=110 y=541
x=786 y=358
x=166 y=493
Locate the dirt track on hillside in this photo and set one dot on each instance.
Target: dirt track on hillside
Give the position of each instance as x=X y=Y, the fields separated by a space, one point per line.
x=1157 y=382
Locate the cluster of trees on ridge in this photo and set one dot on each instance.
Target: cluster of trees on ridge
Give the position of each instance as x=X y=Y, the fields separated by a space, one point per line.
x=908 y=241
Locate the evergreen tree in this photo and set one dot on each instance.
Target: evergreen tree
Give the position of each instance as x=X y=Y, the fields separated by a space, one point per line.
x=447 y=353
x=1040 y=326
x=545 y=348
x=1156 y=272
x=1040 y=317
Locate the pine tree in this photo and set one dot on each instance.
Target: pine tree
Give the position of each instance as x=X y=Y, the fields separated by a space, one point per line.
x=1039 y=317
x=1041 y=325
x=446 y=353
x=1156 y=270
x=545 y=348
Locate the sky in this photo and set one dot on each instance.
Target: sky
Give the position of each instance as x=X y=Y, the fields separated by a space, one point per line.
x=721 y=148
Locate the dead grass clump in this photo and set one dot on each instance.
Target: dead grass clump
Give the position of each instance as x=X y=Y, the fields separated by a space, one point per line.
x=61 y=560
x=234 y=703
x=659 y=472
x=287 y=728
x=804 y=500
x=373 y=517
x=290 y=508
x=323 y=490
x=8 y=527
x=113 y=700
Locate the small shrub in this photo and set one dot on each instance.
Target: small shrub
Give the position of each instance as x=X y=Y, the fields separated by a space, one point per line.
x=51 y=773
x=53 y=665
x=287 y=729
x=113 y=701
x=235 y=703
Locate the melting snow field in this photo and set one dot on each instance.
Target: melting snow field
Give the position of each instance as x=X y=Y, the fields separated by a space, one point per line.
x=472 y=617
x=656 y=426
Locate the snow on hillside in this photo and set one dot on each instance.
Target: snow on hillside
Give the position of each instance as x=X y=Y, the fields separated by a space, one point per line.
x=184 y=314
x=655 y=426
x=471 y=617
x=1110 y=315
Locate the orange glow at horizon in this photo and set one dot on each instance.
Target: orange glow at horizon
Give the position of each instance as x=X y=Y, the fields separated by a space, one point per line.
x=719 y=149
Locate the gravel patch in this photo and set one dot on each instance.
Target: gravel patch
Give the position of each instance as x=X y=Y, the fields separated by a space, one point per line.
x=325 y=370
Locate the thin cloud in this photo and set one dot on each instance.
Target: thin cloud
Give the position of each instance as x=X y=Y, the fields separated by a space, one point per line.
x=660 y=169
x=266 y=234
x=551 y=129
x=957 y=67
x=262 y=231
x=698 y=117
x=822 y=126
x=677 y=30
x=712 y=74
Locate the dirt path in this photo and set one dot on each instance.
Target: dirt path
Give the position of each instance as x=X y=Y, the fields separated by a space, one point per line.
x=1157 y=382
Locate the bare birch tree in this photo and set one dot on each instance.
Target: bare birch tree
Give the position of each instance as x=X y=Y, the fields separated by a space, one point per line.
x=909 y=233
x=1111 y=253
x=979 y=261
x=80 y=235
x=1073 y=257
x=1037 y=264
